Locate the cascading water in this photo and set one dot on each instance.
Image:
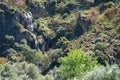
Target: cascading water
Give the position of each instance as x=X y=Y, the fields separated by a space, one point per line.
x=28 y=17
x=37 y=45
x=30 y=27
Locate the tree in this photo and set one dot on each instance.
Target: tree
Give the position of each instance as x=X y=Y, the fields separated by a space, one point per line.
x=75 y=64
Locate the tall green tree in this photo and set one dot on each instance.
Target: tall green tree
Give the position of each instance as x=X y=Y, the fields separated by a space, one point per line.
x=75 y=64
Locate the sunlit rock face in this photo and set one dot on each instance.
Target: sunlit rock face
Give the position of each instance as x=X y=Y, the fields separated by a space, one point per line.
x=13 y=23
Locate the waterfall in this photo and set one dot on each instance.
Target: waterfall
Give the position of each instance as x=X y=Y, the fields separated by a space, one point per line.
x=37 y=45
x=30 y=26
x=28 y=17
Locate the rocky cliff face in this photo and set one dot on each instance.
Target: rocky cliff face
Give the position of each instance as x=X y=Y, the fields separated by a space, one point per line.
x=14 y=23
x=29 y=27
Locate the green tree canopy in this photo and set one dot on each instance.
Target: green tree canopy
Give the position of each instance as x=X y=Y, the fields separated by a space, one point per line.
x=75 y=64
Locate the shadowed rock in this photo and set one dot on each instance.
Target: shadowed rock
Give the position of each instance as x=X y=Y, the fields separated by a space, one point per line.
x=82 y=26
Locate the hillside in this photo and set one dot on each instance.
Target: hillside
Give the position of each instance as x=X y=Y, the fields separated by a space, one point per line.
x=48 y=38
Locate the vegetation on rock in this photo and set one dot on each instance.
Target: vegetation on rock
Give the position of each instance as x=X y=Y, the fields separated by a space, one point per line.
x=59 y=39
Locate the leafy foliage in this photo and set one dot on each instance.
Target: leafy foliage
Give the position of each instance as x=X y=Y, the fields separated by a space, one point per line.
x=19 y=71
x=62 y=42
x=59 y=27
x=75 y=64
x=103 y=73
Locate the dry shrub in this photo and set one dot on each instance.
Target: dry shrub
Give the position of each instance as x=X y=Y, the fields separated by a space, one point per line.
x=3 y=60
x=60 y=6
x=94 y=10
x=93 y=15
x=112 y=13
x=20 y=2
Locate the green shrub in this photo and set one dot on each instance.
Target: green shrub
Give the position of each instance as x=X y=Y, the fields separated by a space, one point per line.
x=20 y=71
x=75 y=64
x=20 y=28
x=29 y=54
x=102 y=46
x=62 y=42
x=54 y=54
x=103 y=73
x=12 y=55
x=43 y=26
x=9 y=40
x=51 y=59
x=52 y=74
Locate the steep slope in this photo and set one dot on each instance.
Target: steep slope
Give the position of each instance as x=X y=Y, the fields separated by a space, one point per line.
x=103 y=39
x=41 y=31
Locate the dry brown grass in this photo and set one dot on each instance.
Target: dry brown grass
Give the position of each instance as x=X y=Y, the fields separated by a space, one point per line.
x=112 y=13
x=3 y=60
x=19 y=2
x=93 y=12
